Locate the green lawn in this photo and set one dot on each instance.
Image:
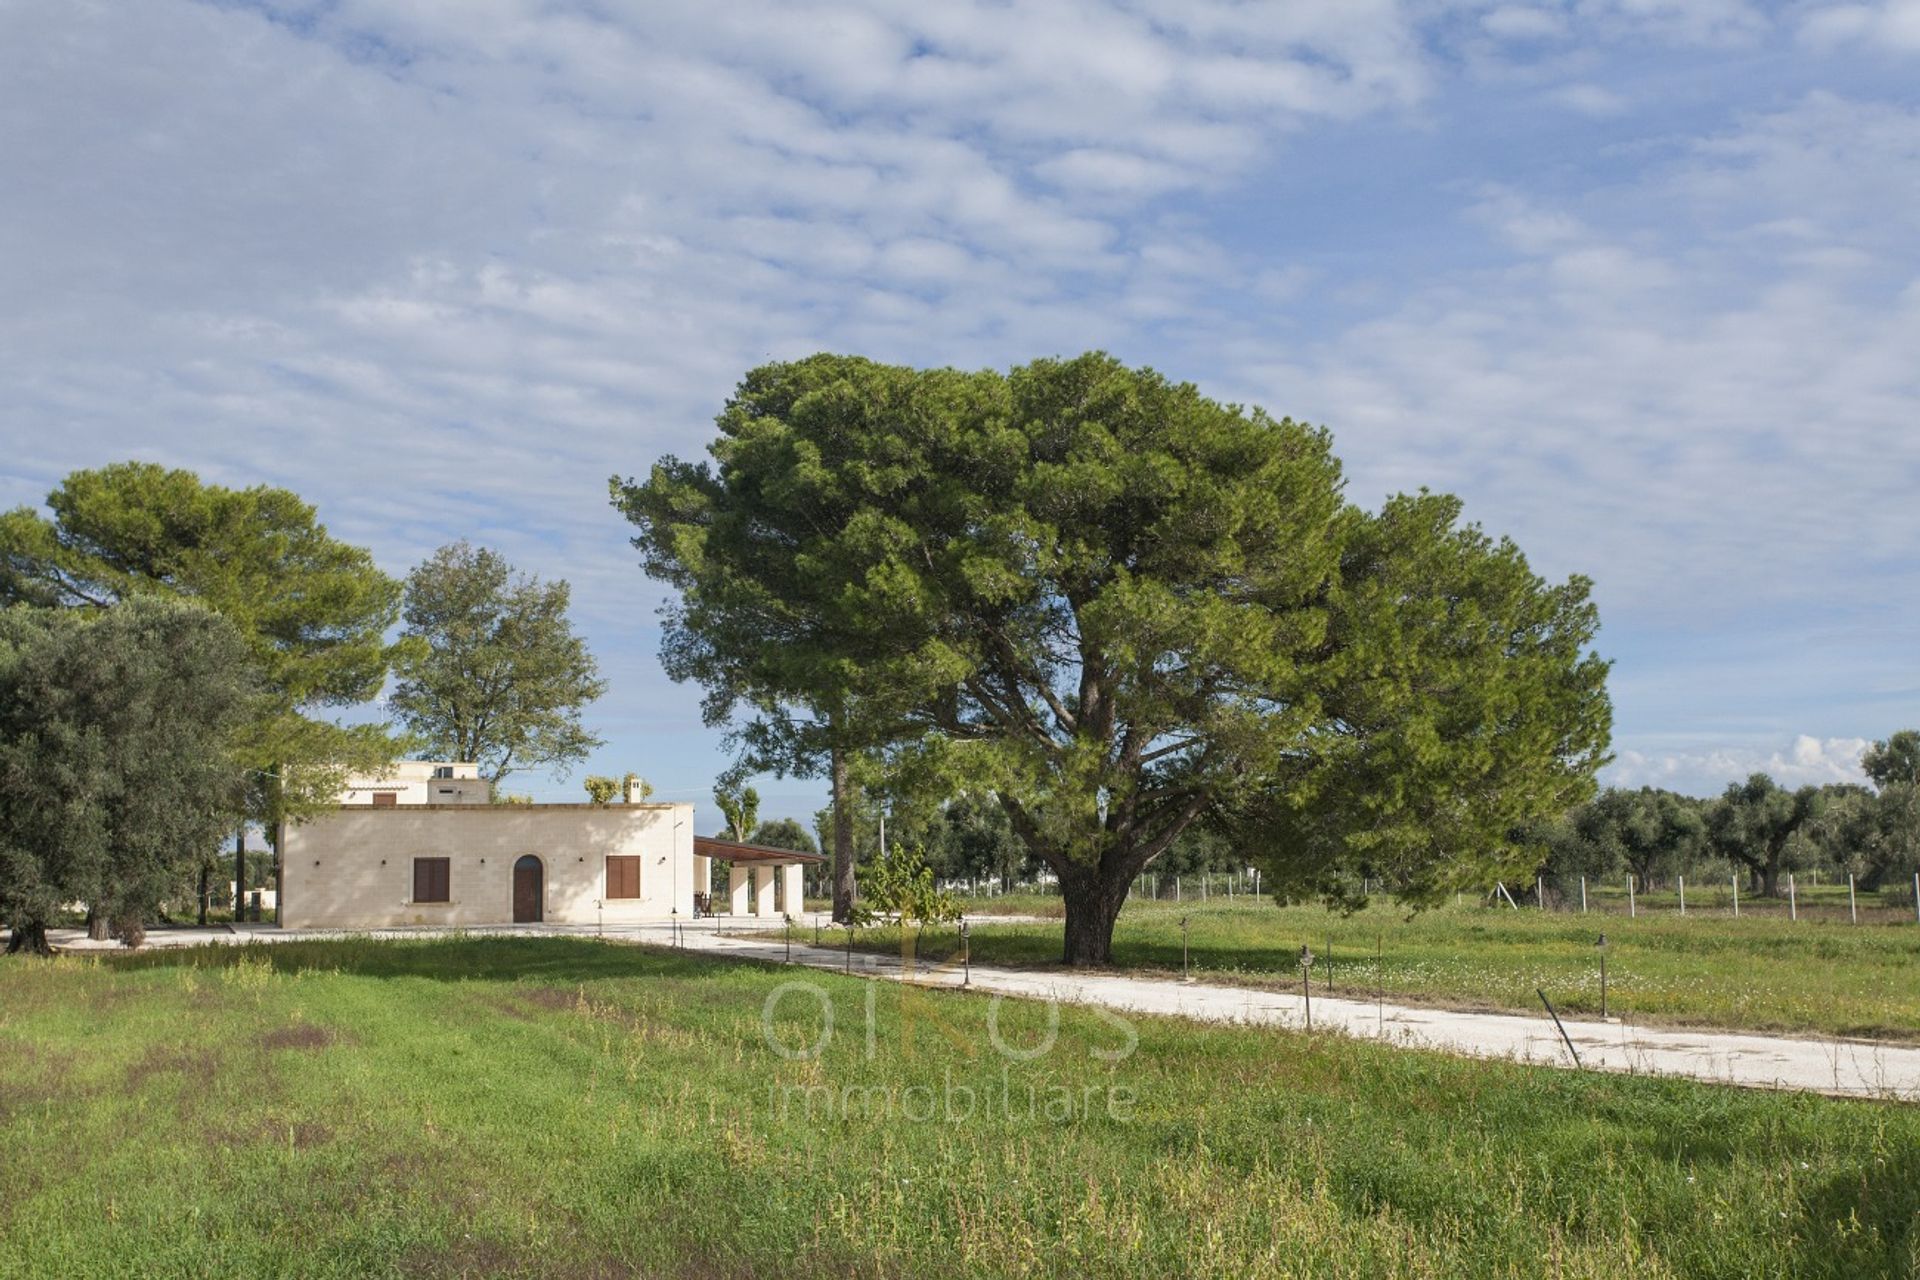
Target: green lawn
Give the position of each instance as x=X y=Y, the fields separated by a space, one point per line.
x=1762 y=973
x=561 y=1107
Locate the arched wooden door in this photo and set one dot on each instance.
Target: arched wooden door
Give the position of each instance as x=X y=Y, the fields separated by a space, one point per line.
x=527 y=895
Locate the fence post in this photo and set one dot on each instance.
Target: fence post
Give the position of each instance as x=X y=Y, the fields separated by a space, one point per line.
x=1683 y=895
x=1793 y=899
x=1736 y=895
x=1540 y=891
x=1631 y=912
x=1916 y=897
x=1306 y=981
x=1583 y=895
x=1853 y=905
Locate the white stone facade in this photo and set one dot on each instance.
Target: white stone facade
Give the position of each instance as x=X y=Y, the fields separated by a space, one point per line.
x=355 y=868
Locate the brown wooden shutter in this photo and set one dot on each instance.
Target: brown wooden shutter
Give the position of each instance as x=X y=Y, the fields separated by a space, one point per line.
x=385 y=799
x=623 y=876
x=431 y=881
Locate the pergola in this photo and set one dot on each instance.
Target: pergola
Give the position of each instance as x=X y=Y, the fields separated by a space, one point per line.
x=761 y=880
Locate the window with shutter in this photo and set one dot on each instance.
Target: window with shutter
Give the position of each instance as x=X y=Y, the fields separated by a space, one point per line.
x=623 y=876
x=431 y=882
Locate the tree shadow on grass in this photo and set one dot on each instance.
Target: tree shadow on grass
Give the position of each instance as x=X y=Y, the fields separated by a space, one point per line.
x=453 y=959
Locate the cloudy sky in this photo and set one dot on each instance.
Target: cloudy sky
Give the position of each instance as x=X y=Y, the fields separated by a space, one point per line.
x=1639 y=279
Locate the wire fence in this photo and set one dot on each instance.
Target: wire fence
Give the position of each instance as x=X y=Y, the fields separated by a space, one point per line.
x=1199 y=887
x=1813 y=897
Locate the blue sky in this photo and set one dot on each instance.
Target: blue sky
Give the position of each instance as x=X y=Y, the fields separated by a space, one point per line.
x=1639 y=279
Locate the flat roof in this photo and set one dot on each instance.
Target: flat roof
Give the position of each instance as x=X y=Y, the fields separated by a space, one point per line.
x=734 y=851
x=470 y=807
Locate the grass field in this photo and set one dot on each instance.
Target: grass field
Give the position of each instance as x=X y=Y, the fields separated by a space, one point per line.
x=1757 y=972
x=561 y=1107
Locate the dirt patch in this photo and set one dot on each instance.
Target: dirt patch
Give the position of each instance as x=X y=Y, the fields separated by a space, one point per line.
x=310 y=1133
x=164 y=1060
x=465 y=1258
x=301 y=1135
x=477 y=1257
x=526 y=1004
x=302 y=1035
x=34 y=1076
x=550 y=998
x=17 y=1096
x=19 y=1056
x=402 y=1167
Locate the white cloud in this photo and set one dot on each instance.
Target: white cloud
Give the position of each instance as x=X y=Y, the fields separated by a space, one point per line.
x=1808 y=761
x=1524 y=22
x=1649 y=390
x=1118 y=172
x=1710 y=22
x=1891 y=25
x=1589 y=100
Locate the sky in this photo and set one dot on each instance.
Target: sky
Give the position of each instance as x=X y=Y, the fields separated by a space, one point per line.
x=1638 y=279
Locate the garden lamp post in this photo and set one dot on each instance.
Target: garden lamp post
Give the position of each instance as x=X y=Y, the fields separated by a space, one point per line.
x=966 y=954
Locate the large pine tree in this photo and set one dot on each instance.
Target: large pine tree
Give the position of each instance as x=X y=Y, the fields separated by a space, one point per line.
x=1125 y=608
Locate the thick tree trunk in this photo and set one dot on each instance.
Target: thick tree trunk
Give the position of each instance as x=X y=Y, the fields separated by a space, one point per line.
x=96 y=925
x=30 y=938
x=1093 y=900
x=206 y=890
x=843 y=882
x=1770 y=880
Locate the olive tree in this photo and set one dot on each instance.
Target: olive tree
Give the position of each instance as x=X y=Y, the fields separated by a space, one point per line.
x=117 y=773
